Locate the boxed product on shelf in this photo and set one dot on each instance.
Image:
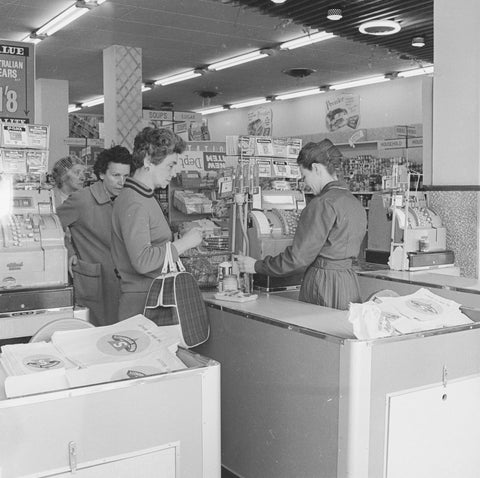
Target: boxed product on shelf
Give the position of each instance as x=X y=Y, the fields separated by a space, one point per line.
x=14 y=135
x=280 y=147
x=38 y=136
x=189 y=202
x=13 y=161
x=294 y=145
x=208 y=227
x=190 y=179
x=263 y=146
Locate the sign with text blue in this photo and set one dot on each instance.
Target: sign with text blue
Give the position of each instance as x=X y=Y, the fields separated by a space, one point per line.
x=213 y=161
x=17 y=76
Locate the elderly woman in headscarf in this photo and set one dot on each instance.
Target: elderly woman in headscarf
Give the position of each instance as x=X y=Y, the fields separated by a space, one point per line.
x=69 y=176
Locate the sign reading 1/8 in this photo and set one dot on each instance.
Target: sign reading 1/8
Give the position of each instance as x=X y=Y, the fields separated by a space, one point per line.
x=8 y=100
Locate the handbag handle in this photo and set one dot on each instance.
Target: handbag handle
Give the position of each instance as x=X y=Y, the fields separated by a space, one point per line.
x=168 y=264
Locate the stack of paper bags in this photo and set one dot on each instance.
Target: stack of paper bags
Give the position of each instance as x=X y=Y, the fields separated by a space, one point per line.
x=133 y=348
x=417 y=312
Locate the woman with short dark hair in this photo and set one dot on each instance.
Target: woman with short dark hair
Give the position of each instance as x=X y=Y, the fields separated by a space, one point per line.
x=328 y=236
x=139 y=228
x=87 y=214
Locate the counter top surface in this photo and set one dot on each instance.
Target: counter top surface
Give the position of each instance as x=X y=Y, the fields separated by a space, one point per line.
x=291 y=313
x=430 y=279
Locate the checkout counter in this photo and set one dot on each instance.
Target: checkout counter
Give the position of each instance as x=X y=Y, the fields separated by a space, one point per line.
x=164 y=425
x=303 y=398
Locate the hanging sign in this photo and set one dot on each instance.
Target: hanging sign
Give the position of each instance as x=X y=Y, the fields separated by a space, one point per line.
x=342 y=111
x=17 y=75
x=190 y=161
x=213 y=161
x=392 y=144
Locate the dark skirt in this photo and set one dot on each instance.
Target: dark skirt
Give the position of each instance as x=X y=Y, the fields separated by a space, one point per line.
x=330 y=284
x=131 y=303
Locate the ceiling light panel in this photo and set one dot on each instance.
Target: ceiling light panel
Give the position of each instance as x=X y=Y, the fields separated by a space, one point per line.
x=168 y=80
x=209 y=111
x=244 y=104
x=306 y=40
x=238 y=60
x=361 y=82
x=416 y=72
x=298 y=94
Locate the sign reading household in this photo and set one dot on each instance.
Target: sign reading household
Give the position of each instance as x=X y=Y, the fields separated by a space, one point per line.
x=17 y=76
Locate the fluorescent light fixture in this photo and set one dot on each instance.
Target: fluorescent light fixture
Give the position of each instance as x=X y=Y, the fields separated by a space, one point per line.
x=209 y=111
x=67 y=16
x=168 y=80
x=362 y=82
x=73 y=108
x=62 y=20
x=416 y=72
x=237 y=60
x=306 y=40
x=146 y=87
x=298 y=94
x=245 y=104
x=94 y=102
x=380 y=27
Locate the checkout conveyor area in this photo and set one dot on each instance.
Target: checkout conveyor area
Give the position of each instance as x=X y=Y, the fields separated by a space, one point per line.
x=303 y=398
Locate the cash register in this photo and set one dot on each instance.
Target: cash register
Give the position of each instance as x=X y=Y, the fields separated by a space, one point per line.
x=416 y=230
x=33 y=264
x=32 y=250
x=271 y=229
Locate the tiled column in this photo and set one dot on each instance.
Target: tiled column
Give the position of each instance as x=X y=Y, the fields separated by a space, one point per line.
x=455 y=167
x=122 y=86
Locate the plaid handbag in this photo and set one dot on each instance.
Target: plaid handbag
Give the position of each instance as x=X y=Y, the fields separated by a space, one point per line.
x=174 y=298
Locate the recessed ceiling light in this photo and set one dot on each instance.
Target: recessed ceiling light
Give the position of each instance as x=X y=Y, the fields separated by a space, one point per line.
x=278 y=1
x=418 y=41
x=380 y=27
x=334 y=14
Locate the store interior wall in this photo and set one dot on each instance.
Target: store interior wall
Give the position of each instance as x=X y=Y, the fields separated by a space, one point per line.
x=397 y=102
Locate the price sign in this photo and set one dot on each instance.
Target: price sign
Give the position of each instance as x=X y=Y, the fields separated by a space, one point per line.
x=16 y=82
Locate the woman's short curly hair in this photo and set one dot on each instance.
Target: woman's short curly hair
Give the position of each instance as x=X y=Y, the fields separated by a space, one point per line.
x=324 y=152
x=158 y=143
x=116 y=154
x=62 y=166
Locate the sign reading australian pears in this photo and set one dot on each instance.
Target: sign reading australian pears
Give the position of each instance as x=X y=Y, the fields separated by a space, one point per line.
x=17 y=76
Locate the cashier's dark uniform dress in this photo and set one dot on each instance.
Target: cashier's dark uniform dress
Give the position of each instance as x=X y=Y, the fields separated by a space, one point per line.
x=328 y=237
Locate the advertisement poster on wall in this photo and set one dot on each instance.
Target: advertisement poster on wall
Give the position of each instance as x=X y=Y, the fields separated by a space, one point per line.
x=17 y=76
x=260 y=122
x=343 y=111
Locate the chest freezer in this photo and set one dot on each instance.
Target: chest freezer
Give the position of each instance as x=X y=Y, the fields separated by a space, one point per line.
x=164 y=425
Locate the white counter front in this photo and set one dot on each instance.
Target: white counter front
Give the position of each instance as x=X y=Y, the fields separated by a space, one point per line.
x=164 y=425
x=301 y=398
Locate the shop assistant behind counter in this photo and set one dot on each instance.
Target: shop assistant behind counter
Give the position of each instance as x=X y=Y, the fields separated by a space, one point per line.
x=328 y=236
